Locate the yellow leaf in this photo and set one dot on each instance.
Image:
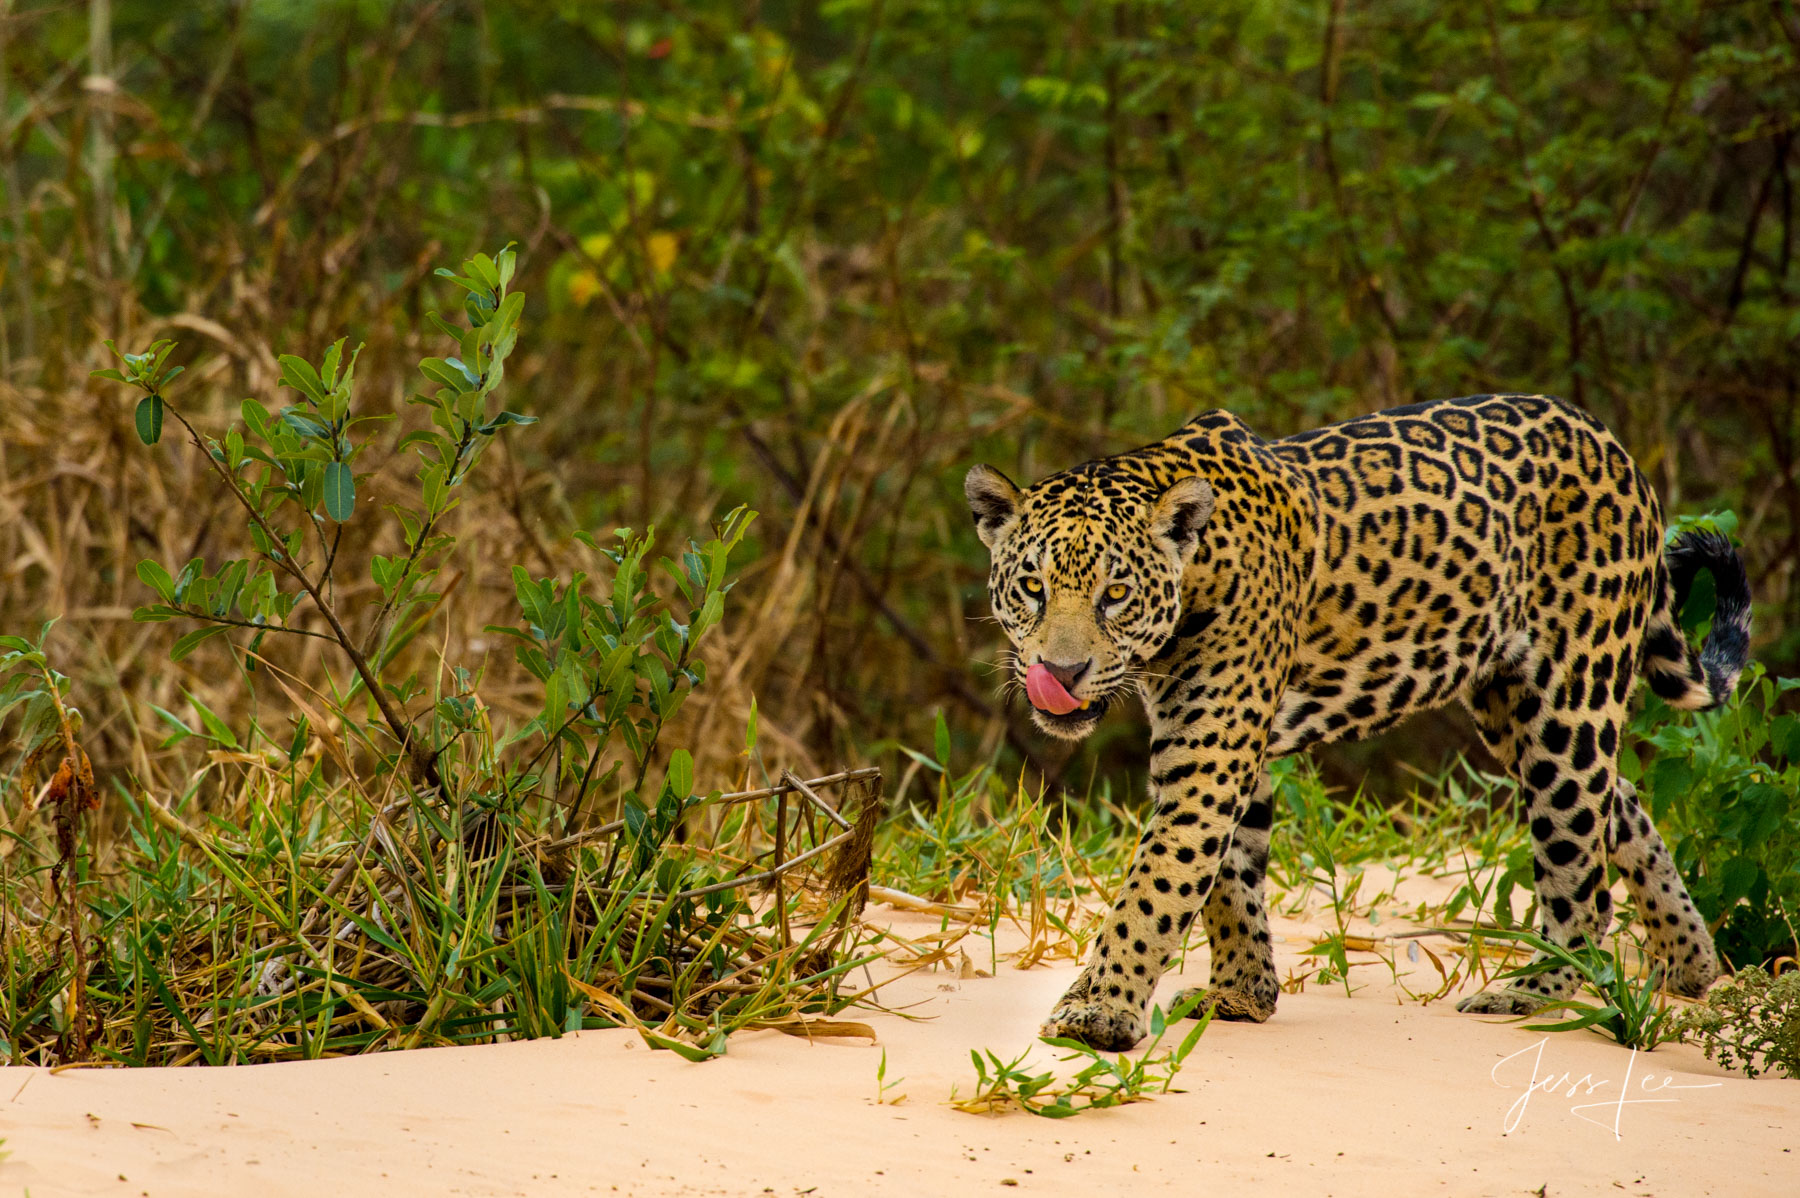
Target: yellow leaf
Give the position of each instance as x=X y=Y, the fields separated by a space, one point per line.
x=662 y=247
x=584 y=285
x=824 y=1029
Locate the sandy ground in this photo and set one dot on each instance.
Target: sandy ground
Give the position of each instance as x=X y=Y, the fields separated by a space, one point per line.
x=1334 y=1096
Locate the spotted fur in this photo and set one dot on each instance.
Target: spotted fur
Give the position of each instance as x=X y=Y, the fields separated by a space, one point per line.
x=1262 y=596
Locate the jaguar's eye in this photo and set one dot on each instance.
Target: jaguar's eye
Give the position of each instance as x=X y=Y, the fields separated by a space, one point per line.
x=1033 y=587
x=1116 y=592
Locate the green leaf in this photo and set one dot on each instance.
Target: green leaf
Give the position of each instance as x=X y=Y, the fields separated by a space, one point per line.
x=502 y=420
x=303 y=424
x=1591 y=1016
x=1784 y=735
x=1057 y=1110
x=1736 y=878
x=439 y=371
x=157 y=579
x=150 y=419
x=422 y=436
x=1066 y=1042
x=681 y=773
x=370 y=928
x=1193 y=1037
x=299 y=374
x=215 y=727
x=182 y=731
x=482 y=267
x=193 y=640
x=941 y=740
x=923 y=760
x=470 y=379
x=340 y=491
x=1765 y=808
x=681 y=1048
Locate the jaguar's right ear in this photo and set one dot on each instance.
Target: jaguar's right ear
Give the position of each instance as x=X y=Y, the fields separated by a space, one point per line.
x=994 y=502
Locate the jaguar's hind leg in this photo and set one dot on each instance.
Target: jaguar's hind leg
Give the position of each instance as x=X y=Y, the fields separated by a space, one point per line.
x=1679 y=940
x=1558 y=731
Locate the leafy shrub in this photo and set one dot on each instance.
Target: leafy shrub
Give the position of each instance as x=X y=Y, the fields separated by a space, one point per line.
x=403 y=864
x=1749 y=1021
x=1722 y=787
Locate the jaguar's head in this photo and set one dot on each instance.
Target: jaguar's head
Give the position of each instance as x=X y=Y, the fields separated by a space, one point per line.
x=1085 y=580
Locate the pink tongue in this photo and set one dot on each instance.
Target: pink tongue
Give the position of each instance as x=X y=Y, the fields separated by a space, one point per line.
x=1046 y=693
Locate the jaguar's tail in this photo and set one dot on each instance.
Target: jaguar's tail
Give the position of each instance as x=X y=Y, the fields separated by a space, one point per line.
x=1681 y=674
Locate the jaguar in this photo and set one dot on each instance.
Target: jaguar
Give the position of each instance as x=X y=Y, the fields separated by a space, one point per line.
x=1261 y=596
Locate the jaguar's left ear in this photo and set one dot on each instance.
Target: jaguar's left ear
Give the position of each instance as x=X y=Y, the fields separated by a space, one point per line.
x=1179 y=514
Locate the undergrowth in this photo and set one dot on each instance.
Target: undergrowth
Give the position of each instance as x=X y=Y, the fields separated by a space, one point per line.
x=976 y=851
x=1750 y=1021
x=1724 y=788
x=375 y=849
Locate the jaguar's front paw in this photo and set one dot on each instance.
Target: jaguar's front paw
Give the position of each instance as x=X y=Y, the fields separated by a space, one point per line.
x=1501 y=1000
x=1110 y=1028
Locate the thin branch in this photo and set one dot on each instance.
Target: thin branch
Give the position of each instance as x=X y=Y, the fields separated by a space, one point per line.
x=724 y=800
x=209 y=618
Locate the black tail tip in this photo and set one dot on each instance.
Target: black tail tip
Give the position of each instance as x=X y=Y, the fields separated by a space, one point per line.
x=1727 y=648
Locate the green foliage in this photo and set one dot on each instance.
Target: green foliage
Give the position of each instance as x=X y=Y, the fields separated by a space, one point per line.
x=1722 y=788
x=859 y=247
x=883 y=1085
x=1457 y=820
x=871 y=243
x=1629 y=1009
x=145 y=370
x=1102 y=1082
x=977 y=834
x=404 y=865
x=1749 y=1021
x=1454 y=810
x=293 y=470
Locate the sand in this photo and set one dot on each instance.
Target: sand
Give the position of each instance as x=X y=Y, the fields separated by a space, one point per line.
x=1365 y=1095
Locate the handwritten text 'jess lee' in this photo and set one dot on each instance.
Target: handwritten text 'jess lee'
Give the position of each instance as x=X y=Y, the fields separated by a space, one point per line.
x=1608 y=1112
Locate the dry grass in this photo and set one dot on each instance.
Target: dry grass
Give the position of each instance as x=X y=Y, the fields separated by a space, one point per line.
x=301 y=922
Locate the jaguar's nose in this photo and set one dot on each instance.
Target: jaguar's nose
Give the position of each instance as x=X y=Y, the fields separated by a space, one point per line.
x=1068 y=676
